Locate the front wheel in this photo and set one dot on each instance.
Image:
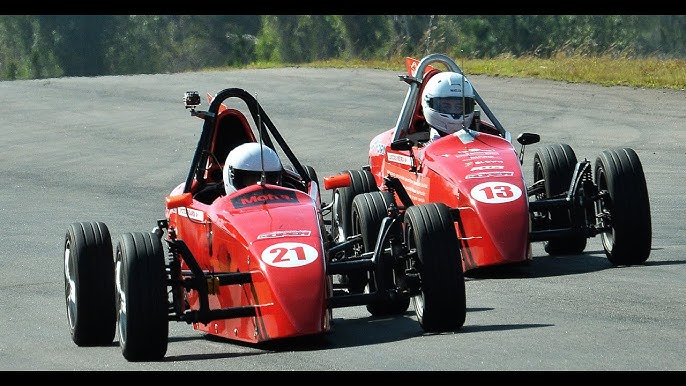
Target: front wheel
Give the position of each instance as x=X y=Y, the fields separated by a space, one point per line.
x=441 y=304
x=142 y=297
x=89 y=284
x=555 y=165
x=629 y=239
x=368 y=211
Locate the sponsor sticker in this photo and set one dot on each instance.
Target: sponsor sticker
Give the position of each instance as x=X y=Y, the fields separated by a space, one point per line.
x=279 y=234
x=488 y=175
x=399 y=158
x=192 y=214
x=377 y=146
x=195 y=214
x=487 y=167
x=477 y=153
x=263 y=196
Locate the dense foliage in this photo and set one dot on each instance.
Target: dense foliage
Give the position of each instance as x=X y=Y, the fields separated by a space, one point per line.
x=35 y=46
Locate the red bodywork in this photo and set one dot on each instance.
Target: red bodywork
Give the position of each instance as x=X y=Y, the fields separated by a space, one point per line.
x=480 y=177
x=274 y=235
x=476 y=171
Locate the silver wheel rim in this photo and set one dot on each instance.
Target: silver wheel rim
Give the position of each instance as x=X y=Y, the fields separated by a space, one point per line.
x=121 y=300
x=337 y=222
x=70 y=285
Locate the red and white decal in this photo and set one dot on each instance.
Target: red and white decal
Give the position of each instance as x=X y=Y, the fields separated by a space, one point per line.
x=279 y=234
x=399 y=158
x=487 y=167
x=477 y=153
x=192 y=214
x=489 y=161
x=289 y=255
x=413 y=68
x=417 y=187
x=495 y=192
x=488 y=175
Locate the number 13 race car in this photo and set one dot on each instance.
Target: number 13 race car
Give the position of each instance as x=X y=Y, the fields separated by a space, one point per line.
x=475 y=176
x=253 y=262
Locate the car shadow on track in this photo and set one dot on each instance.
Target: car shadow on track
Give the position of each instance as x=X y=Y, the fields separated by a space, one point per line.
x=346 y=332
x=369 y=330
x=549 y=266
x=545 y=266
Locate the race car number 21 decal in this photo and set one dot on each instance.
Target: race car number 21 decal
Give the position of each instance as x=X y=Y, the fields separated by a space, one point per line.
x=289 y=255
x=495 y=192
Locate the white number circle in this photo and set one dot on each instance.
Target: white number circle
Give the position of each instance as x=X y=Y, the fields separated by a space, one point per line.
x=495 y=192
x=288 y=255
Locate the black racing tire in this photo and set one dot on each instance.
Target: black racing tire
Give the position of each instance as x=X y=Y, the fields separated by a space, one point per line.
x=361 y=181
x=368 y=211
x=441 y=304
x=619 y=171
x=313 y=176
x=89 y=284
x=311 y=173
x=555 y=165
x=308 y=169
x=143 y=306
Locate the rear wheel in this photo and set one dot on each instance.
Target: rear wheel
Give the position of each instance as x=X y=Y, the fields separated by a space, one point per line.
x=308 y=169
x=368 y=211
x=311 y=173
x=89 y=284
x=142 y=297
x=361 y=181
x=313 y=176
x=441 y=304
x=555 y=165
x=628 y=208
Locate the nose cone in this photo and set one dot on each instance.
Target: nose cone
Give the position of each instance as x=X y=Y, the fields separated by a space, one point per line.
x=295 y=276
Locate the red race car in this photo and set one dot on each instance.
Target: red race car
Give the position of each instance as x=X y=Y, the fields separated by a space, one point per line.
x=244 y=251
x=469 y=165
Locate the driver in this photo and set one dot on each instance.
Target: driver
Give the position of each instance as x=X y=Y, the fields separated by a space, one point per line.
x=244 y=166
x=446 y=106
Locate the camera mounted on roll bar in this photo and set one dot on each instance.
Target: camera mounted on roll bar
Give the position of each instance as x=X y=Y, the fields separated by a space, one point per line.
x=191 y=99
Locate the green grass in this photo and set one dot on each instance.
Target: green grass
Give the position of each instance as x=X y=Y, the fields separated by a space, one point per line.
x=603 y=70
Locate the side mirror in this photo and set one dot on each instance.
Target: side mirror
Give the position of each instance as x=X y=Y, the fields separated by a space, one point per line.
x=402 y=144
x=528 y=138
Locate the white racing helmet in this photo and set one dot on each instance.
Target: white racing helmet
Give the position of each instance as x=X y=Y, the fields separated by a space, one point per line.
x=244 y=164
x=443 y=105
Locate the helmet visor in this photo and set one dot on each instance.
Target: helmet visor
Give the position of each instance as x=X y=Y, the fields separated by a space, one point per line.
x=243 y=178
x=453 y=105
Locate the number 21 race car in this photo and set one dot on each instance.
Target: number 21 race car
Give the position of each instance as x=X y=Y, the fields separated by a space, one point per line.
x=245 y=252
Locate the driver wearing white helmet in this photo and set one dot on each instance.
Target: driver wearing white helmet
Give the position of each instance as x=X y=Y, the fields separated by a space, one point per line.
x=244 y=166
x=448 y=103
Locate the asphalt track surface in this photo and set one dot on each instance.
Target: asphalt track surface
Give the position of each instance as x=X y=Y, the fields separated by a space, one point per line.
x=110 y=149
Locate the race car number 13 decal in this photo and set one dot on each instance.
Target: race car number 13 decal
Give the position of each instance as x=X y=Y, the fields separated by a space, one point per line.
x=288 y=255
x=496 y=192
